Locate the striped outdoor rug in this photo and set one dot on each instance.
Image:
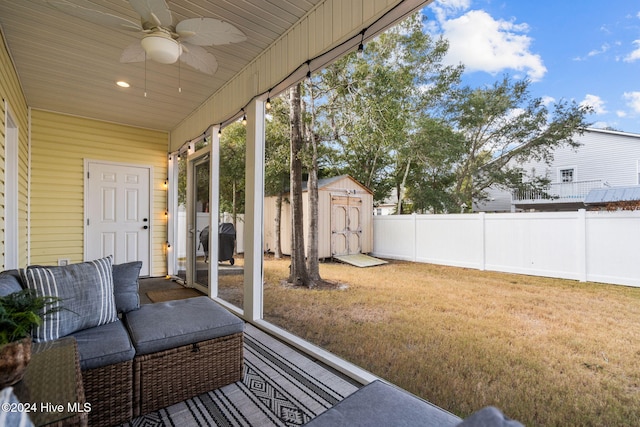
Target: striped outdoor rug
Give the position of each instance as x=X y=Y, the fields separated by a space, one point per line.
x=280 y=387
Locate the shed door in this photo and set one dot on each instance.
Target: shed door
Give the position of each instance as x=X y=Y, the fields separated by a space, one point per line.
x=346 y=225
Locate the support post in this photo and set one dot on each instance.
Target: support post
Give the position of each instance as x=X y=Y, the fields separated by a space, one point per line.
x=254 y=202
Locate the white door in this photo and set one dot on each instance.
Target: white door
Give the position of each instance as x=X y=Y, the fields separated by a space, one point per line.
x=117 y=213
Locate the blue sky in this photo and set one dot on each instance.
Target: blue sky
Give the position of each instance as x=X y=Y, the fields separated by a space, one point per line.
x=587 y=51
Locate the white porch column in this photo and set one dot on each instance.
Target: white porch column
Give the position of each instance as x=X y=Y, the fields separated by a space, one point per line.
x=254 y=201
x=214 y=209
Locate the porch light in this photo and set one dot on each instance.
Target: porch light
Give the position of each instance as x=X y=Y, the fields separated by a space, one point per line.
x=267 y=105
x=360 y=52
x=244 y=118
x=161 y=48
x=123 y=84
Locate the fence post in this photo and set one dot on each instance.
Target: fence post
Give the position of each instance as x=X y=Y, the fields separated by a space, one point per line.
x=483 y=241
x=415 y=237
x=582 y=245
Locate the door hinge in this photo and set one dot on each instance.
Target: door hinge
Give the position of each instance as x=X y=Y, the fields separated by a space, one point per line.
x=87 y=221
x=88 y=175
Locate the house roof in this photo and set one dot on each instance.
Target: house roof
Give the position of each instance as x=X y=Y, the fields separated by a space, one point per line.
x=601 y=196
x=70 y=65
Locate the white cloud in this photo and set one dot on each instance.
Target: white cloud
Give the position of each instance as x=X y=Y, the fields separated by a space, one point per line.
x=621 y=114
x=548 y=100
x=595 y=102
x=633 y=100
x=605 y=47
x=635 y=54
x=443 y=9
x=482 y=43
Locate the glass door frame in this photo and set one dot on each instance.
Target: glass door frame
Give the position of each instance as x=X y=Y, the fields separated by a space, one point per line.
x=193 y=160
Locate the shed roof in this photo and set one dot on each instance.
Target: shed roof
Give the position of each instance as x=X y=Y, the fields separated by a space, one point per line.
x=324 y=183
x=612 y=194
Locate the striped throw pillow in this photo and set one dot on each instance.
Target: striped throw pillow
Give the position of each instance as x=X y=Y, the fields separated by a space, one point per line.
x=86 y=291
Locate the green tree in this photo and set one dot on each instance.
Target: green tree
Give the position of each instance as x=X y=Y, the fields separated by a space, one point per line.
x=501 y=126
x=232 y=169
x=277 y=160
x=375 y=101
x=435 y=148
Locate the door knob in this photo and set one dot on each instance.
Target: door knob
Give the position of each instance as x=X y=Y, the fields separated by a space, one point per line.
x=145 y=227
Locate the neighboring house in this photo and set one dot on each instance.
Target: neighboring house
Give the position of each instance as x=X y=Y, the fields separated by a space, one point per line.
x=388 y=206
x=605 y=159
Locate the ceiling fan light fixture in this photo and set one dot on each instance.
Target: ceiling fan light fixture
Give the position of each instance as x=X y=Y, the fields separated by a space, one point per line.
x=161 y=48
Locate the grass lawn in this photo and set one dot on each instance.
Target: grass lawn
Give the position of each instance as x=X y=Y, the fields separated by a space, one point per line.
x=546 y=351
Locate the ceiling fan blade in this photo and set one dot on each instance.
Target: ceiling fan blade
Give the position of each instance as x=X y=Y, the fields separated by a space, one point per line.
x=208 y=32
x=133 y=53
x=198 y=58
x=94 y=16
x=154 y=13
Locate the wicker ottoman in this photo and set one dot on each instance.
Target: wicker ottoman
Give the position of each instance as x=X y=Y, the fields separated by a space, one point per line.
x=183 y=348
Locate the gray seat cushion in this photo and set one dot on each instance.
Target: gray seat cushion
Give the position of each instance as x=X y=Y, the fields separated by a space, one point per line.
x=489 y=417
x=126 y=286
x=381 y=404
x=10 y=282
x=165 y=325
x=104 y=345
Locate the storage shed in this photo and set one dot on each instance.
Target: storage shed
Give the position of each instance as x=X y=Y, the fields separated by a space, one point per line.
x=345 y=223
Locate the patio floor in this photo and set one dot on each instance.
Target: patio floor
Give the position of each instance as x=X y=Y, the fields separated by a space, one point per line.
x=280 y=387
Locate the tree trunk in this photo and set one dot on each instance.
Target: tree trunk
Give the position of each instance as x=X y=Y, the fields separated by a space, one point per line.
x=298 y=270
x=313 y=266
x=277 y=251
x=403 y=185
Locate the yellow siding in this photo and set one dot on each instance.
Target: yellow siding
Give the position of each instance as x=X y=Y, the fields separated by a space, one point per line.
x=328 y=24
x=11 y=93
x=60 y=145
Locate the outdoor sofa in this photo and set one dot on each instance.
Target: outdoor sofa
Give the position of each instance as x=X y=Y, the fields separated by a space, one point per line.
x=382 y=404
x=134 y=359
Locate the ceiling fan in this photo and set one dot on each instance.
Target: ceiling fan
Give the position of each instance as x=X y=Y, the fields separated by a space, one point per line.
x=162 y=41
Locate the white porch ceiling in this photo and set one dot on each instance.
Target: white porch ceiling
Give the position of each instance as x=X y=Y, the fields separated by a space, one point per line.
x=69 y=65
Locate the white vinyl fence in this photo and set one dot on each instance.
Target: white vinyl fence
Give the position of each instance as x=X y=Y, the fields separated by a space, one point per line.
x=587 y=246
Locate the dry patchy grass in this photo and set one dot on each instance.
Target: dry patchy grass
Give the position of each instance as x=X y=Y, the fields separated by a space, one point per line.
x=546 y=351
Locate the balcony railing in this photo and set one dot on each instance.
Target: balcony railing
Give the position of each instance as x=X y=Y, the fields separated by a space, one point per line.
x=558 y=192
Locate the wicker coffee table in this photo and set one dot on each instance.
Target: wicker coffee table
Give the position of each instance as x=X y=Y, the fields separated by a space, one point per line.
x=51 y=390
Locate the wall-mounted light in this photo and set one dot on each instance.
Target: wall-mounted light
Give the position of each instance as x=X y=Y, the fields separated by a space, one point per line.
x=166 y=183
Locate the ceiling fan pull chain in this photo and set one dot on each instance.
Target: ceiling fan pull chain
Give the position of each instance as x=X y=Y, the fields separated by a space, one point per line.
x=145 y=74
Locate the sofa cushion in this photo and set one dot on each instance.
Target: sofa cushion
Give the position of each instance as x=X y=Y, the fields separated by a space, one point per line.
x=104 y=345
x=9 y=282
x=126 y=287
x=381 y=404
x=489 y=417
x=86 y=292
x=165 y=325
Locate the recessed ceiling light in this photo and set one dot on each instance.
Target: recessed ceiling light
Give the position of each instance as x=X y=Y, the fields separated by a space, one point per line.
x=122 y=83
